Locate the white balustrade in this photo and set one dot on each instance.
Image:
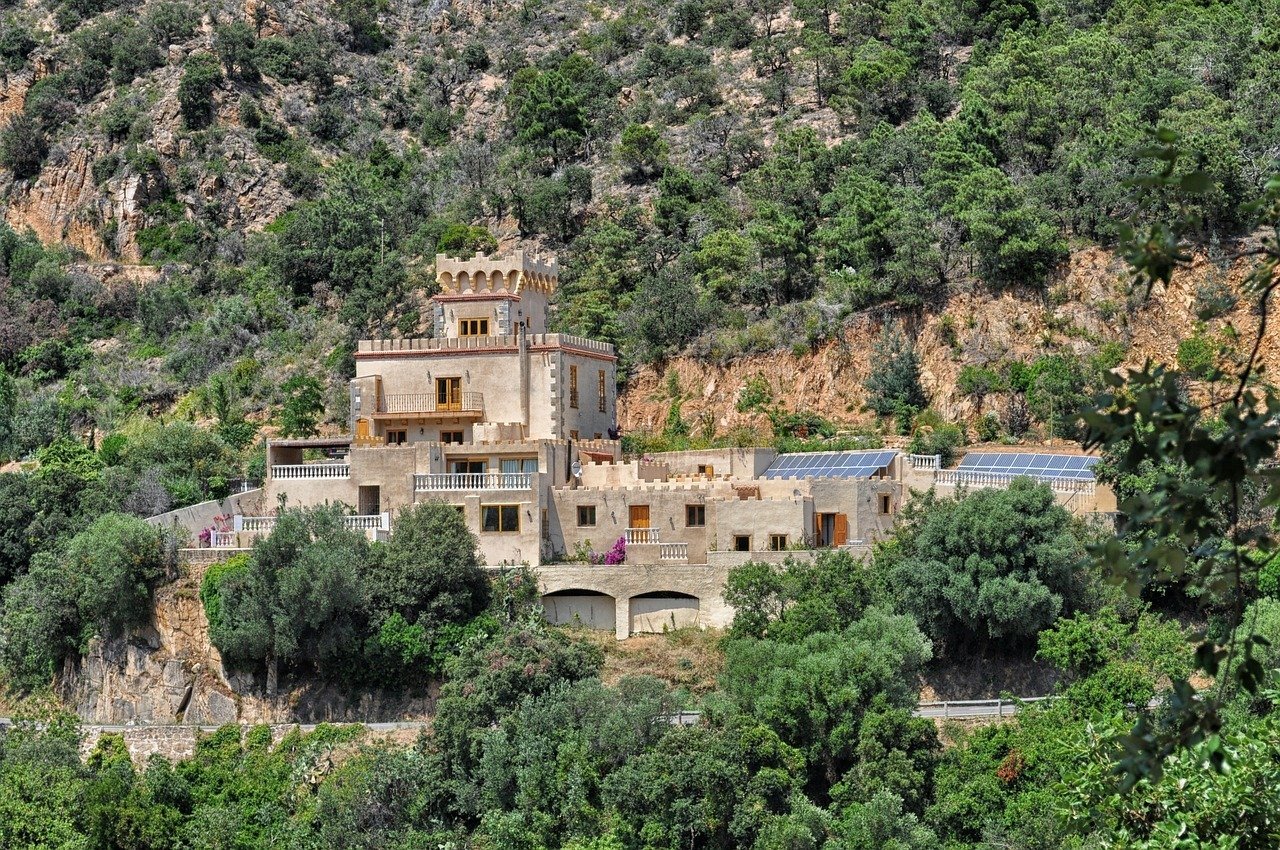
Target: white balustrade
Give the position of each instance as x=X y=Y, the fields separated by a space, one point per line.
x=311 y=470
x=431 y=482
x=673 y=552
x=641 y=536
x=925 y=461
x=367 y=522
x=222 y=539
x=255 y=523
x=1001 y=480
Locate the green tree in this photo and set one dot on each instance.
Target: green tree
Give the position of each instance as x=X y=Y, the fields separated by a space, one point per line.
x=988 y=565
x=642 y=151
x=201 y=74
x=788 y=688
x=893 y=387
x=302 y=408
x=299 y=600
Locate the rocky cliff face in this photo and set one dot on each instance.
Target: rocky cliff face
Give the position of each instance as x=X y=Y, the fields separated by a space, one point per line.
x=170 y=672
x=1090 y=304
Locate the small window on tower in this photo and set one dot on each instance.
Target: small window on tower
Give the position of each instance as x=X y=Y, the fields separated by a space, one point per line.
x=886 y=503
x=473 y=327
x=586 y=516
x=573 y=387
x=600 y=389
x=451 y=437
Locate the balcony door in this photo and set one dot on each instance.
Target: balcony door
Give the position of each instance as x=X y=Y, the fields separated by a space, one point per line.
x=448 y=393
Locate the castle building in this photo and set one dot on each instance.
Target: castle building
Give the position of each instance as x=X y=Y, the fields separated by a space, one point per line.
x=516 y=427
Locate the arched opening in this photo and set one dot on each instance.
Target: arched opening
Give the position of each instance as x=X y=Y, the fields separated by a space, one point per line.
x=663 y=611
x=578 y=607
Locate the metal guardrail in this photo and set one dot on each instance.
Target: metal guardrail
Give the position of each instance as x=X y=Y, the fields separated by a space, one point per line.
x=433 y=481
x=999 y=707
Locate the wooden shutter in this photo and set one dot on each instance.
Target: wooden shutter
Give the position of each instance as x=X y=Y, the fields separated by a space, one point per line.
x=842 y=530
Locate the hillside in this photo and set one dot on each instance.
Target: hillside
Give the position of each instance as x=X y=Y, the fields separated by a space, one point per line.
x=228 y=195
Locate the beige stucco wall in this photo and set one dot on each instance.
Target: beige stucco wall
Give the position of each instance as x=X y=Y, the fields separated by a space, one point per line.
x=626 y=581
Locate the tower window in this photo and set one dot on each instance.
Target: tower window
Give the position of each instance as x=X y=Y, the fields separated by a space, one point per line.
x=600 y=390
x=473 y=327
x=586 y=516
x=573 y=387
x=695 y=516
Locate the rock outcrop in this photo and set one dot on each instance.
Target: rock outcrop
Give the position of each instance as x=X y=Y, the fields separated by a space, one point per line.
x=169 y=671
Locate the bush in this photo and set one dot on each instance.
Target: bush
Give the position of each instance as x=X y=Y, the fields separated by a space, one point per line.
x=23 y=146
x=201 y=74
x=938 y=440
x=1197 y=356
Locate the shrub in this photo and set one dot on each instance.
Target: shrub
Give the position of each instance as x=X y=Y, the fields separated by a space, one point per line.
x=23 y=146
x=1197 y=356
x=201 y=74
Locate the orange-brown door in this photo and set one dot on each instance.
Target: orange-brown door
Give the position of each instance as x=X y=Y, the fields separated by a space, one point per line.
x=842 y=530
x=362 y=429
x=448 y=393
x=639 y=516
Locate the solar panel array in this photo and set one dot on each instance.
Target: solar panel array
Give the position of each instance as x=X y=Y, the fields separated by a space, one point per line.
x=1042 y=467
x=829 y=464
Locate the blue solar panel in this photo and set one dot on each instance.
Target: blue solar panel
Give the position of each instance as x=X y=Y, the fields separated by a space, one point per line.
x=829 y=464
x=1043 y=467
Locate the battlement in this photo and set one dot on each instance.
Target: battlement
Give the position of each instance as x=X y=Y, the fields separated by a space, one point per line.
x=509 y=342
x=505 y=275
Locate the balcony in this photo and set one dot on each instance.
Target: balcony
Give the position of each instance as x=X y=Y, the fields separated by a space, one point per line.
x=281 y=471
x=359 y=522
x=641 y=536
x=417 y=405
x=436 y=482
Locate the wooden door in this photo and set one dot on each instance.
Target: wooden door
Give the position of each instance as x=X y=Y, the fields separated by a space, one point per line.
x=362 y=429
x=639 y=516
x=842 y=530
x=448 y=393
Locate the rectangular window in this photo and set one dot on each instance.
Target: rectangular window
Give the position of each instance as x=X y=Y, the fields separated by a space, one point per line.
x=513 y=465
x=706 y=469
x=473 y=327
x=742 y=543
x=395 y=438
x=499 y=518
x=451 y=437
x=573 y=387
x=695 y=516
x=600 y=390
x=886 y=503
x=573 y=435
x=777 y=542
x=586 y=516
